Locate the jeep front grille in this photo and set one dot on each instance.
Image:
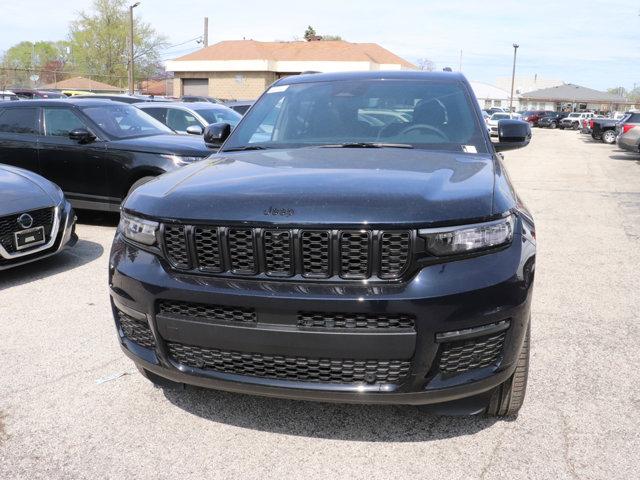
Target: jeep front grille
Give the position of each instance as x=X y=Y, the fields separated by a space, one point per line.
x=307 y=253
x=302 y=369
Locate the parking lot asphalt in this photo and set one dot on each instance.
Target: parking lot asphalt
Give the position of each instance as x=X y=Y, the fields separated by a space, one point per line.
x=72 y=406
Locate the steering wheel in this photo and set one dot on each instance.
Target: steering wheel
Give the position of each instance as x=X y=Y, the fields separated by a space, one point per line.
x=429 y=128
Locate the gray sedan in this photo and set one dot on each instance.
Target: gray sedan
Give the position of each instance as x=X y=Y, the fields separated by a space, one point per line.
x=190 y=117
x=36 y=221
x=630 y=140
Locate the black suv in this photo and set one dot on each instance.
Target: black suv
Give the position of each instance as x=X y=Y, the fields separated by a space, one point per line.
x=356 y=239
x=551 y=120
x=95 y=150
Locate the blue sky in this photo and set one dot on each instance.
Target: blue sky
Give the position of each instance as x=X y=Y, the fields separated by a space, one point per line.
x=595 y=43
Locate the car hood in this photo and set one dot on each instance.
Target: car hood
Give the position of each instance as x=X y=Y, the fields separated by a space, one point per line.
x=169 y=144
x=20 y=191
x=324 y=186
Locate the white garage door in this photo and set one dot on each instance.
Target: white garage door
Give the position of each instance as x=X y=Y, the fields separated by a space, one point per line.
x=195 y=86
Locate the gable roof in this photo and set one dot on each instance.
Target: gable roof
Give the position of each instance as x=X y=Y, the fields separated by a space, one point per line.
x=331 y=50
x=82 y=83
x=572 y=92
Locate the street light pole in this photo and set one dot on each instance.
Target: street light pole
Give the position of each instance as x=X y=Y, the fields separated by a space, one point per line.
x=131 y=77
x=513 y=75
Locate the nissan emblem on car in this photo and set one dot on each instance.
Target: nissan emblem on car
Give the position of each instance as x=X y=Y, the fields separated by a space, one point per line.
x=25 y=220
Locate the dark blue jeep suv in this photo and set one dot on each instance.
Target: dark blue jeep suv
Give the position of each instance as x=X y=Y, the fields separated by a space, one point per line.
x=355 y=239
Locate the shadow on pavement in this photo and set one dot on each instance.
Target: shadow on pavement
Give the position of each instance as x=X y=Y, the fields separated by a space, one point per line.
x=366 y=423
x=81 y=253
x=629 y=156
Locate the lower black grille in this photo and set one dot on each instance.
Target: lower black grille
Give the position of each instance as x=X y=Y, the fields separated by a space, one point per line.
x=136 y=330
x=380 y=321
x=209 y=312
x=290 y=368
x=42 y=217
x=457 y=357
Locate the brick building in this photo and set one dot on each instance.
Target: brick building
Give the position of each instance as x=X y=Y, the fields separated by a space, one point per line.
x=243 y=69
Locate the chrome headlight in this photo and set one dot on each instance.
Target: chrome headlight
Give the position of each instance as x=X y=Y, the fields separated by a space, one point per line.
x=469 y=238
x=138 y=229
x=181 y=160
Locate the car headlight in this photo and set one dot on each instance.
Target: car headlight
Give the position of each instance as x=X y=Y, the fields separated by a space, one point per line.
x=138 y=229
x=469 y=238
x=181 y=160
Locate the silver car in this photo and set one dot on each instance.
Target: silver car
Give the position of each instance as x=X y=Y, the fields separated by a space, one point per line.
x=190 y=117
x=630 y=140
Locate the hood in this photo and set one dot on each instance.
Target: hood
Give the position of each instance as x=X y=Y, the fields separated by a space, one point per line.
x=315 y=186
x=169 y=144
x=20 y=190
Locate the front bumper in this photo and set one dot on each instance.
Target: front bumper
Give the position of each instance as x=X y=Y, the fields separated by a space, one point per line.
x=63 y=236
x=452 y=298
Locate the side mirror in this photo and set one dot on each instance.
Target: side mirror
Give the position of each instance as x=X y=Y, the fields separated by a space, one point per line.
x=195 y=130
x=216 y=133
x=81 y=135
x=512 y=134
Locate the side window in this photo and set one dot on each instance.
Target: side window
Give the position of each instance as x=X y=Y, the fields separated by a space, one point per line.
x=159 y=114
x=267 y=126
x=180 y=120
x=58 y=122
x=19 y=120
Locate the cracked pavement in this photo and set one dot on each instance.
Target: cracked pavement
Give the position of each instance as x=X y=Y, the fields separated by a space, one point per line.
x=72 y=406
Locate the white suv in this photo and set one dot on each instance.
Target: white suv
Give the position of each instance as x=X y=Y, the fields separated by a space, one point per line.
x=574 y=120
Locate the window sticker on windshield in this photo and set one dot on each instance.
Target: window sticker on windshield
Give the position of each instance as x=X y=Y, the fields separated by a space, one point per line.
x=469 y=149
x=278 y=88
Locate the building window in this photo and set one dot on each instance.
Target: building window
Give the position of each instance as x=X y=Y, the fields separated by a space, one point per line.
x=487 y=103
x=497 y=103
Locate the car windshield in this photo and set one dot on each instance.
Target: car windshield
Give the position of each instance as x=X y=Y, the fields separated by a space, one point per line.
x=573 y=115
x=405 y=113
x=121 y=120
x=500 y=116
x=216 y=115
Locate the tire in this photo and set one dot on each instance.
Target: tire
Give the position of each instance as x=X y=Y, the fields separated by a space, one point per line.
x=509 y=397
x=575 y=125
x=160 y=382
x=609 y=137
x=553 y=125
x=139 y=182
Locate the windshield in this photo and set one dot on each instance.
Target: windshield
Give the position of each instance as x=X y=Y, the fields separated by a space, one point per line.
x=121 y=120
x=500 y=116
x=573 y=115
x=412 y=113
x=216 y=115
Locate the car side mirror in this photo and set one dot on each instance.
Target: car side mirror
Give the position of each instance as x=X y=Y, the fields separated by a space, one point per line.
x=195 y=130
x=512 y=134
x=81 y=135
x=216 y=133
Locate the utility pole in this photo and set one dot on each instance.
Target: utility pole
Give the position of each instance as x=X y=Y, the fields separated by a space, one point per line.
x=131 y=77
x=205 y=37
x=513 y=75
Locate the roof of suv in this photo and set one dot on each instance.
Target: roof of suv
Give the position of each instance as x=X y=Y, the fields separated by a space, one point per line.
x=372 y=75
x=58 y=102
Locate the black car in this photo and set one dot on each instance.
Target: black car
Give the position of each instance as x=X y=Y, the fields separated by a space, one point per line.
x=551 y=120
x=240 y=106
x=95 y=150
x=36 y=221
x=319 y=256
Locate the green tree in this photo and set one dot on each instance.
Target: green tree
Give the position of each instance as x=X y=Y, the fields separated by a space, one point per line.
x=98 y=43
x=634 y=95
x=27 y=58
x=617 y=91
x=310 y=34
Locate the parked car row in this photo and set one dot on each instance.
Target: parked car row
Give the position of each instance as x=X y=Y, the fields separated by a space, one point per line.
x=240 y=106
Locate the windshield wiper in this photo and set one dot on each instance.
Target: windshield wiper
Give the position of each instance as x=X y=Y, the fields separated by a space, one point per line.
x=246 y=147
x=366 y=145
